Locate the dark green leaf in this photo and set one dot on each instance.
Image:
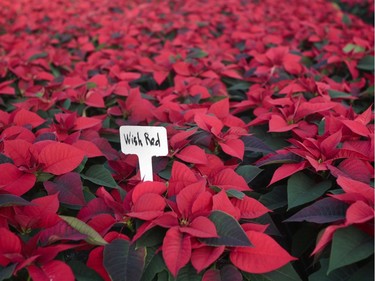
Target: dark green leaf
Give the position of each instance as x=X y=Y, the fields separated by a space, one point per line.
x=275 y=199
x=123 y=261
x=302 y=189
x=166 y=173
x=304 y=239
x=188 y=273
x=279 y=159
x=67 y=103
x=37 y=56
x=369 y=92
x=165 y=276
x=153 y=265
x=341 y=274
x=99 y=175
x=365 y=273
x=230 y=273
x=339 y=95
x=93 y=237
x=88 y=194
x=322 y=211
x=196 y=53
x=337 y=191
x=346 y=19
x=42 y=177
x=91 y=85
x=272 y=228
x=7 y=272
x=55 y=71
x=81 y=166
x=248 y=172
x=255 y=144
x=5 y=159
x=152 y=237
x=349 y=245
x=321 y=127
x=235 y=193
x=285 y=273
x=229 y=230
x=239 y=86
x=7 y=200
x=366 y=63
x=84 y=273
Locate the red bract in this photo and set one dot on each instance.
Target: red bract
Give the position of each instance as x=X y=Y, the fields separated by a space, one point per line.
x=361 y=211
x=95 y=260
x=40 y=214
x=319 y=154
x=10 y=247
x=278 y=57
x=31 y=159
x=187 y=219
x=136 y=109
x=265 y=256
x=228 y=141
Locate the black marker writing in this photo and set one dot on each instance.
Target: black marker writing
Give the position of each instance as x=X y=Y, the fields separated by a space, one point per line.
x=132 y=139
x=151 y=141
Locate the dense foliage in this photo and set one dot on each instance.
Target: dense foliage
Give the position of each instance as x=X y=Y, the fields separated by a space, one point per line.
x=268 y=109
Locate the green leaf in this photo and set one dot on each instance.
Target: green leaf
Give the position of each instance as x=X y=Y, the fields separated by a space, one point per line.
x=244 y=86
x=339 y=95
x=325 y=210
x=341 y=274
x=55 y=71
x=91 y=85
x=84 y=273
x=346 y=19
x=349 y=245
x=164 y=276
x=5 y=159
x=285 y=273
x=67 y=103
x=274 y=199
x=350 y=47
x=302 y=189
x=123 y=261
x=272 y=229
x=229 y=230
x=235 y=193
x=153 y=265
x=304 y=239
x=365 y=273
x=196 y=53
x=99 y=175
x=321 y=127
x=81 y=166
x=369 y=92
x=366 y=63
x=38 y=56
x=152 y=237
x=7 y=200
x=7 y=272
x=188 y=273
x=93 y=237
x=252 y=143
x=248 y=172
x=42 y=177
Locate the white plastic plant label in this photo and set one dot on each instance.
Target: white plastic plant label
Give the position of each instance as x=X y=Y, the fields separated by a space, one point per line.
x=145 y=142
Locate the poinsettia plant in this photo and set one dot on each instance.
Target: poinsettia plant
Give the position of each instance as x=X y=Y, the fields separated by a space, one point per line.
x=269 y=116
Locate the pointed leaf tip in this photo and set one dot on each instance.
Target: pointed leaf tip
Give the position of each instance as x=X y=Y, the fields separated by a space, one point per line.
x=93 y=237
